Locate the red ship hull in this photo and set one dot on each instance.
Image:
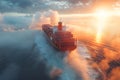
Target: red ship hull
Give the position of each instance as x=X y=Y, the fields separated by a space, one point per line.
x=62 y=40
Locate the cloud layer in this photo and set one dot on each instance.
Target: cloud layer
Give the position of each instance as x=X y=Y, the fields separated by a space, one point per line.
x=37 y=5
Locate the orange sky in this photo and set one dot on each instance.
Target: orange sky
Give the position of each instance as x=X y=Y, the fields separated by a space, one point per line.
x=104 y=3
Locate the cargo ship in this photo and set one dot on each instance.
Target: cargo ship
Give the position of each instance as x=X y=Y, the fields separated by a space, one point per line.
x=59 y=37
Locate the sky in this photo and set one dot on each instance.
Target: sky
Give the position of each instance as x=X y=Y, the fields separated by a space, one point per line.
x=63 y=6
x=29 y=6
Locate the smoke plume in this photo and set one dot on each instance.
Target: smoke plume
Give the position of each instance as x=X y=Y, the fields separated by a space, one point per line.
x=48 y=17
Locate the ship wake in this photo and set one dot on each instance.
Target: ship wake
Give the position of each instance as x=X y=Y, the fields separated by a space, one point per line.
x=73 y=65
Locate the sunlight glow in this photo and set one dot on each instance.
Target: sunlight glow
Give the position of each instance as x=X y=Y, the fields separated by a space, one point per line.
x=102 y=16
x=76 y=15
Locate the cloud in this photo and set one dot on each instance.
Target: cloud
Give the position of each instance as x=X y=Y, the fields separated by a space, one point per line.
x=39 y=18
x=12 y=22
x=1 y=17
x=37 y=5
x=20 y=5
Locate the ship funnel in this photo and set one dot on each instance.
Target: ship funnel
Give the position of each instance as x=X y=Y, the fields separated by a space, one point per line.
x=60 y=26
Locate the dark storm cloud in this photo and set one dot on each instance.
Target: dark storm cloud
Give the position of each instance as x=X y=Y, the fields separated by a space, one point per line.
x=37 y=5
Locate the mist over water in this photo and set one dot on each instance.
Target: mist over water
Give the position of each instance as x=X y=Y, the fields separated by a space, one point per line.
x=19 y=57
x=26 y=54
x=73 y=66
x=53 y=57
x=104 y=54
